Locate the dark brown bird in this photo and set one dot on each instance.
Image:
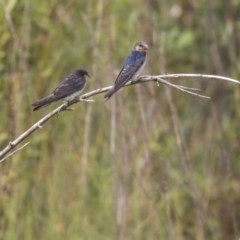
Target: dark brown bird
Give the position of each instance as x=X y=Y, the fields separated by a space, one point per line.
x=70 y=88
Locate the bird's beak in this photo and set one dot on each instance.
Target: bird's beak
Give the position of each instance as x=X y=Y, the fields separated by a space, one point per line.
x=88 y=76
x=146 y=46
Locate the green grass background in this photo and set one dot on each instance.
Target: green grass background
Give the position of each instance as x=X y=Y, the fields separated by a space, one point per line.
x=152 y=163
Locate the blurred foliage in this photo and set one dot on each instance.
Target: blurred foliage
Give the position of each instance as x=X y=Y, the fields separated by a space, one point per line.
x=151 y=163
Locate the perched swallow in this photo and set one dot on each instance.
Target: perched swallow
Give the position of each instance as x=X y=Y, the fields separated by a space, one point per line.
x=70 y=88
x=131 y=68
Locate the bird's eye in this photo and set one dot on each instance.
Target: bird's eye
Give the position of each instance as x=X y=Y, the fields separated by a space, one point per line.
x=140 y=45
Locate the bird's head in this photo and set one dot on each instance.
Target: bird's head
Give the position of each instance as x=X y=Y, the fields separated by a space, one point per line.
x=140 y=46
x=82 y=72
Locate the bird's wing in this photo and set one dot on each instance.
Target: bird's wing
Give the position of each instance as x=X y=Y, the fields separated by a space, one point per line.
x=132 y=65
x=69 y=86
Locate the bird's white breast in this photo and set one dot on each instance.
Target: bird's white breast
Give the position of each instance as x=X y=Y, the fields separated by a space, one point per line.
x=74 y=95
x=139 y=71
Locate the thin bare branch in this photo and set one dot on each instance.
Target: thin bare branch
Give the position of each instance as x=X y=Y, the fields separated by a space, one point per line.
x=194 y=75
x=180 y=88
x=10 y=154
x=142 y=79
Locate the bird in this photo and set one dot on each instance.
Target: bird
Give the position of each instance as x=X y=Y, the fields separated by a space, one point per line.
x=70 y=88
x=131 y=68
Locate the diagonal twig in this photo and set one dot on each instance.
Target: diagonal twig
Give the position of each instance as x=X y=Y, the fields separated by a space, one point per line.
x=10 y=154
x=184 y=89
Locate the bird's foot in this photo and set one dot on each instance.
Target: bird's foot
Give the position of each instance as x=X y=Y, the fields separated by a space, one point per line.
x=67 y=108
x=64 y=108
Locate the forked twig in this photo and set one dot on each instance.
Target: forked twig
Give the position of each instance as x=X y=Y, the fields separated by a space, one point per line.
x=10 y=154
x=184 y=89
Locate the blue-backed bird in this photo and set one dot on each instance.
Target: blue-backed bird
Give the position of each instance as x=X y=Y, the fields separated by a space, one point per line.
x=70 y=88
x=131 y=68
